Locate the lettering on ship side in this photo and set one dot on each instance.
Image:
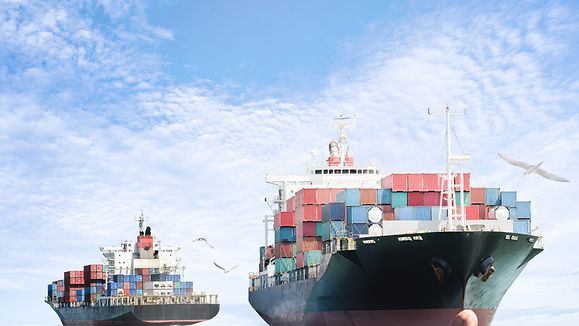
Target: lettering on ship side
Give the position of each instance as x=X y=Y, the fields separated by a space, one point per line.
x=512 y=237
x=412 y=238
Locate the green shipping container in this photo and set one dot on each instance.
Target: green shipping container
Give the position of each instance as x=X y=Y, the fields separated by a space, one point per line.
x=319 y=229
x=466 y=198
x=399 y=199
x=284 y=265
x=312 y=257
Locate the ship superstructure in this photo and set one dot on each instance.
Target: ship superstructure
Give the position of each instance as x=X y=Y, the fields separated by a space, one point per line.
x=140 y=284
x=355 y=246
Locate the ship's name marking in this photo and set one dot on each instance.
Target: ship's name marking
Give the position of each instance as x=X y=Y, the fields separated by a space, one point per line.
x=368 y=241
x=412 y=238
x=512 y=237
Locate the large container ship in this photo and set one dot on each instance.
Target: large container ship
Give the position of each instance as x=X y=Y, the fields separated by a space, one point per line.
x=354 y=246
x=139 y=284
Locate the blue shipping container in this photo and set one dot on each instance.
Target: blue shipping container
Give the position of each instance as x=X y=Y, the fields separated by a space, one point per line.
x=384 y=196
x=351 y=197
x=524 y=209
x=333 y=229
x=399 y=199
x=357 y=214
x=522 y=226
x=493 y=196
x=285 y=233
x=513 y=213
x=509 y=198
x=333 y=212
x=404 y=213
x=435 y=210
x=422 y=213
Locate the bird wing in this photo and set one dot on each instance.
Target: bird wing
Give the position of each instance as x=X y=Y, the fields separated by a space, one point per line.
x=515 y=162
x=232 y=268
x=214 y=263
x=550 y=175
x=207 y=242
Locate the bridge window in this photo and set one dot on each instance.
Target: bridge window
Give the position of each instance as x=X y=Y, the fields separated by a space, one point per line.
x=352 y=171
x=318 y=171
x=325 y=171
x=359 y=171
x=365 y=171
x=331 y=171
x=337 y=171
x=371 y=171
x=344 y=171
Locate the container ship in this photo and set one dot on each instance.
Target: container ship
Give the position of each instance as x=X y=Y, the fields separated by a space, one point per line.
x=353 y=246
x=139 y=284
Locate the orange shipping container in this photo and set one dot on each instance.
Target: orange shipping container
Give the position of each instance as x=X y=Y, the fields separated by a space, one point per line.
x=300 y=260
x=368 y=196
x=478 y=195
x=311 y=243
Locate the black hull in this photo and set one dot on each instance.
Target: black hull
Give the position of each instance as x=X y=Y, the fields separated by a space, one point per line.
x=168 y=314
x=393 y=281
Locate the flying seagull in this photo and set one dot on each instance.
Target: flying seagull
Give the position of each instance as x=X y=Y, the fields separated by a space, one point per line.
x=204 y=240
x=533 y=169
x=225 y=270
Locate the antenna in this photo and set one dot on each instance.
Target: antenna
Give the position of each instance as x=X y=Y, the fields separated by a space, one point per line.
x=342 y=123
x=141 y=219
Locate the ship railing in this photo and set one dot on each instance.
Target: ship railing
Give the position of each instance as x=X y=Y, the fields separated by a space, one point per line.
x=258 y=282
x=140 y=301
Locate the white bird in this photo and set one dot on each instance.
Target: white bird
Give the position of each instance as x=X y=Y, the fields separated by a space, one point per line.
x=529 y=168
x=225 y=270
x=204 y=240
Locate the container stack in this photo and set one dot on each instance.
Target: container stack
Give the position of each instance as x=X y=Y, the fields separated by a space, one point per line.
x=285 y=240
x=73 y=286
x=94 y=282
x=56 y=291
x=309 y=224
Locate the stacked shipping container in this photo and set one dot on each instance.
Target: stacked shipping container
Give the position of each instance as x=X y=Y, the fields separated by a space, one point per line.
x=316 y=216
x=89 y=285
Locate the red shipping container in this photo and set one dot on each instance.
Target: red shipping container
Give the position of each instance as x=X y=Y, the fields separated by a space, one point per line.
x=396 y=182
x=290 y=204
x=472 y=212
x=309 y=229
x=146 y=278
x=327 y=195
x=415 y=199
x=430 y=182
x=387 y=212
x=284 y=250
x=466 y=177
x=431 y=198
x=478 y=195
x=490 y=213
x=312 y=243
x=139 y=285
x=306 y=197
x=414 y=182
x=368 y=196
x=284 y=219
x=300 y=260
x=308 y=213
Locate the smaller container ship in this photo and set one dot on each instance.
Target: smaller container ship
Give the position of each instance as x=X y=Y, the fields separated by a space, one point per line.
x=139 y=284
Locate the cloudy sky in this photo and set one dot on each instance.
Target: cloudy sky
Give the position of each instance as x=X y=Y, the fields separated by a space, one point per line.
x=179 y=108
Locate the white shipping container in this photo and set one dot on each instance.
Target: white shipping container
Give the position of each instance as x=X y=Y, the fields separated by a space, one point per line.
x=151 y=292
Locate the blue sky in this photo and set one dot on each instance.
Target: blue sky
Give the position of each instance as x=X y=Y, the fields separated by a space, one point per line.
x=180 y=107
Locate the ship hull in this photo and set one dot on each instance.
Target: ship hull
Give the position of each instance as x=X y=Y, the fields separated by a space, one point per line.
x=168 y=314
x=398 y=280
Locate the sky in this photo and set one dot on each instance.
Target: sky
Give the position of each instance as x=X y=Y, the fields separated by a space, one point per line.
x=179 y=108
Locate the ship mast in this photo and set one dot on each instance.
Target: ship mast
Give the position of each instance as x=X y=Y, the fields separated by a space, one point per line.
x=342 y=142
x=453 y=160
